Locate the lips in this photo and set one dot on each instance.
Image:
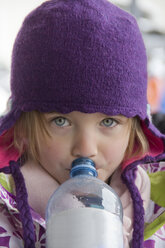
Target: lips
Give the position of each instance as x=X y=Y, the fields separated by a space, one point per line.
x=97 y=167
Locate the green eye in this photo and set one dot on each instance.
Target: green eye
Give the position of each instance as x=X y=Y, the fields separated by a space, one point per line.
x=109 y=122
x=61 y=121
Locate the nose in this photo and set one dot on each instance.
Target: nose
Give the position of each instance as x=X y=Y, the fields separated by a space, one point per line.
x=84 y=145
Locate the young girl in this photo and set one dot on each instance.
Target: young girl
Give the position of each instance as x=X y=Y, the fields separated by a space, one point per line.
x=78 y=83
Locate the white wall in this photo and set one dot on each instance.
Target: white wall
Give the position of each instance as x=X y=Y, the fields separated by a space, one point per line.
x=12 y=13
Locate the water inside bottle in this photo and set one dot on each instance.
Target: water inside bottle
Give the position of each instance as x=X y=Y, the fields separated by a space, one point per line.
x=92 y=229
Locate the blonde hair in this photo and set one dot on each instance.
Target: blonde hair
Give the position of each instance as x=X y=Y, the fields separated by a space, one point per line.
x=29 y=131
x=31 y=128
x=138 y=144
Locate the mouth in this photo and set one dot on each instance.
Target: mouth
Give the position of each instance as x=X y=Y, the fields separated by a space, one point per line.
x=97 y=168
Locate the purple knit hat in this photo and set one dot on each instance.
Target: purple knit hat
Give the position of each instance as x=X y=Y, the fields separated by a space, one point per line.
x=79 y=55
x=84 y=55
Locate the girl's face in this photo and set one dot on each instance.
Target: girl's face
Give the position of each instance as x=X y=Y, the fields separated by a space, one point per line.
x=102 y=138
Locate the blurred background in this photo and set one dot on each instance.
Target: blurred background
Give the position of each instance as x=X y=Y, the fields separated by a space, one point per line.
x=151 y=19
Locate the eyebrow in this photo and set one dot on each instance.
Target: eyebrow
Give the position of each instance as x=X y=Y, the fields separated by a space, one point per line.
x=117 y=116
x=120 y=118
x=52 y=113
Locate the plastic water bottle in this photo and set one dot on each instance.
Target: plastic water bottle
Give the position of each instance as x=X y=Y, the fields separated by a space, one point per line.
x=84 y=212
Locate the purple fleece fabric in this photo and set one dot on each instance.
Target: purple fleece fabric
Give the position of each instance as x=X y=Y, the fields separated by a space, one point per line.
x=22 y=205
x=84 y=55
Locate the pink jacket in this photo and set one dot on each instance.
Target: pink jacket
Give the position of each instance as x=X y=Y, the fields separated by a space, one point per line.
x=11 y=227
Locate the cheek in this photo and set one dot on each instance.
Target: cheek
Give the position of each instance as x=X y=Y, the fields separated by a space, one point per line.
x=114 y=154
x=116 y=149
x=52 y=151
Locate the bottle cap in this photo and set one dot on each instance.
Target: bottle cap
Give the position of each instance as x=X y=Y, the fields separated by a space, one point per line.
x=83 y=166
